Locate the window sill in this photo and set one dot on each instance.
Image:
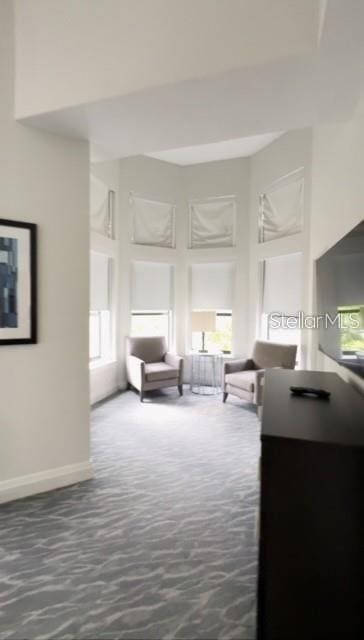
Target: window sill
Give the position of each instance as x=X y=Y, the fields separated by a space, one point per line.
x=99 y=364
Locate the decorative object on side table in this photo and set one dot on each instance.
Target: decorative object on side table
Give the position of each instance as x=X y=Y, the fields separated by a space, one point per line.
x=18 y=284
x=203 y=321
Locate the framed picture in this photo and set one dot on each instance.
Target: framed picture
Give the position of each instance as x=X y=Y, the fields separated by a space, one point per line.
x=18 y=283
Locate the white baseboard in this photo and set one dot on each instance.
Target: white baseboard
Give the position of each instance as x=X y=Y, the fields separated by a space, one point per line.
x=104 y=396
x=34 y=483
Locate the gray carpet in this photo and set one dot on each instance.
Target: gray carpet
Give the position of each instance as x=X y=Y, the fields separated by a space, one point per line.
x=159 y=545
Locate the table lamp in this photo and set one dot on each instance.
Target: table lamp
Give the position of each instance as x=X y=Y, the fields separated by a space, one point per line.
x=203 y=321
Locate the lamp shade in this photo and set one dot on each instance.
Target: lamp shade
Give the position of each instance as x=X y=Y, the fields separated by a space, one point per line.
x=203 y=320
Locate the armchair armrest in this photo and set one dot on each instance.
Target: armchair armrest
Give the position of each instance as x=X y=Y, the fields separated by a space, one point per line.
x=259 y=389
x=177 y=362
x=136 y=371
x=233 y=366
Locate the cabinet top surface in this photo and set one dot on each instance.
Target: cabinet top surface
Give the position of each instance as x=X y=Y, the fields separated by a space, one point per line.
x=338 y=420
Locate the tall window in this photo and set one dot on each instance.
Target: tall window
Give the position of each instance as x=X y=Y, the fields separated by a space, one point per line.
x=100 y=335
x=281 y=298
x=151 y=299
x=95 y=335
x=100 y=308
x=151 y=323
x=285 y=333
x=213 y=289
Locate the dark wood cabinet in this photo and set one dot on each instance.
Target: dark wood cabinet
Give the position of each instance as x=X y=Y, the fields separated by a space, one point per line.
x=311 y=547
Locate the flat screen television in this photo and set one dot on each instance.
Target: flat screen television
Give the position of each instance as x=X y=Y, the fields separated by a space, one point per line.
x=340 y=301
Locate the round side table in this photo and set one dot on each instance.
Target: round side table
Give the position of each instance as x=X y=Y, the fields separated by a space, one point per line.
x=205 y=373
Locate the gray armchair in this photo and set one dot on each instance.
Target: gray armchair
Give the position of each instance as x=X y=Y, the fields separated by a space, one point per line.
x=245 y=378
x=149 y=366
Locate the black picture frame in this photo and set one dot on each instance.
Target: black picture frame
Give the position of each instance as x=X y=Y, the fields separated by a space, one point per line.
x=32 y=333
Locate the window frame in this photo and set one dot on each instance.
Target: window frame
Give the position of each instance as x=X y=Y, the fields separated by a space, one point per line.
x=228 y=314
x=98 y=357
x=107 y=317
x=105 y=338
x=166 y=312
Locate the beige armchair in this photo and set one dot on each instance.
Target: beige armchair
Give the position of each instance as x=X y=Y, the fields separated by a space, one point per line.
x=149 y=366
x=245 y=378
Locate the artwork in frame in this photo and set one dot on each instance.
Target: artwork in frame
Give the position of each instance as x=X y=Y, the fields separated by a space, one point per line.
x=18 y=282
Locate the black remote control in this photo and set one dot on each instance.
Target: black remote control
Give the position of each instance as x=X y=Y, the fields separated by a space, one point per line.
x=310 y=391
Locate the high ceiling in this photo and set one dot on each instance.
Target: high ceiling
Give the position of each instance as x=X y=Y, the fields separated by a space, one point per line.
x=238 y=148
x=73 y=52
x=318 y=81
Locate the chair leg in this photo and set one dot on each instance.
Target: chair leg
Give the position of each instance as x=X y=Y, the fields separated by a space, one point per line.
x=141 y=396
x=224 y=397
x=180 y=389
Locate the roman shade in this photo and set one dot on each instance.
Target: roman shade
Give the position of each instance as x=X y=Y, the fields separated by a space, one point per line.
x=153 y=222
x=151 y=286
x=212 y=285
x=281 y=208
x=99 y=282
x=100 y=207
x=212 y=223
x=282 y=289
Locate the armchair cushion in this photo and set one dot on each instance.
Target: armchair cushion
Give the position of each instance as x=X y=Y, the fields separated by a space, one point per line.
x=246 y=380
x=160 y=371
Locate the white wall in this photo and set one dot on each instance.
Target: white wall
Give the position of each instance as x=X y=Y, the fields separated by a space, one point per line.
x=104 y=378
x=290 y=152
x=77 y=51
x=337 y=199
x=44 y=415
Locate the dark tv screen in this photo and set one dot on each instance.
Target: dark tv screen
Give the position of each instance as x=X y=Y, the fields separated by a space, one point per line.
x=340 y=301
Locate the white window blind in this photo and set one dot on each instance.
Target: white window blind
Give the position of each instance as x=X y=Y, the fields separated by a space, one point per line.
x=153 y=222
x=151 y=286
x=99 y=282
x=281 y=208
x=282 y=291
x=101 y=201
x=212 y=223
x=213 y=285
